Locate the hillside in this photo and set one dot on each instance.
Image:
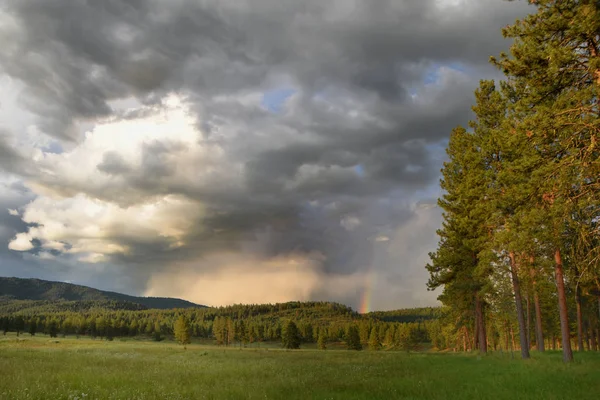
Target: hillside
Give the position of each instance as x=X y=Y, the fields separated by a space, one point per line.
x=407 y=315
x=42 y=290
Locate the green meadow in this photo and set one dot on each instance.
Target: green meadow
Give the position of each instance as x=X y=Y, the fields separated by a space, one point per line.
x=69 y=368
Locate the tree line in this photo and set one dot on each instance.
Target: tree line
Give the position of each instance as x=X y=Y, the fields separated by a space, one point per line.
x=519 y=250
x=291 y=324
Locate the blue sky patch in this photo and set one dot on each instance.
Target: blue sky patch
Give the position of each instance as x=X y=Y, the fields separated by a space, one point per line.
x=53 y=147
x=433 y=72
x=273 y=100
x=360 y=170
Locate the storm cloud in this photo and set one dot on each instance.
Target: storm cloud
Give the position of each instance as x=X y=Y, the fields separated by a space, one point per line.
x=231 y=151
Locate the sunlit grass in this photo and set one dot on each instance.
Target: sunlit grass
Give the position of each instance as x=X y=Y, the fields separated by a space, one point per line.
x=40 y=368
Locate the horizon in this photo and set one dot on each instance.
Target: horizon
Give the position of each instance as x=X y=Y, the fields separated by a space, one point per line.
x=223 y=305
x=236 y=152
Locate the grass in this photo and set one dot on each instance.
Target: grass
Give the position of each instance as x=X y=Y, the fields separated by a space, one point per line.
x=40 y=368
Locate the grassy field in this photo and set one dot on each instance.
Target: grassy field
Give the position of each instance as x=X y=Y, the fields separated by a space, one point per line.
x=40 y=368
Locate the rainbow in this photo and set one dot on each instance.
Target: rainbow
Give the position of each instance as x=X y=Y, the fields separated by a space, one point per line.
x=367 y=294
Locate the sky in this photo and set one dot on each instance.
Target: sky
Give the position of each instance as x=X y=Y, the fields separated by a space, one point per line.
x=235 y=151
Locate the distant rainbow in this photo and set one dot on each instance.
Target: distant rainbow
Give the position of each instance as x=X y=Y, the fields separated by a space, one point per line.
x=367 y=294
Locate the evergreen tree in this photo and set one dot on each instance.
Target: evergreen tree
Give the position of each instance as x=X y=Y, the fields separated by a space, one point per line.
x=101 y=326
x=241 y=333
x=353 y=338
x=133 y=328
x=405 y=339
x=388 y=340
x=322 y=341
x=32 y=328
x=182 y=331
x=456 y=265
x=291 y=336
x=53 y=328
x=364 y=331
x=229 y=331
x=507 y=165
x=219 y=331
x=19 y=325
x=149 y=328
x=252 y=333
x=374 y=341
x=554 y=67
x=41 y=327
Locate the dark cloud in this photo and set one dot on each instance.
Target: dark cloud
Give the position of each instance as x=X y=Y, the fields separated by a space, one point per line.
x=113 y=164
x=10 y=159
x=12 y=197
x=374 y=90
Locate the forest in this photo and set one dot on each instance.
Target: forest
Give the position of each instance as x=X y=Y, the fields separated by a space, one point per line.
x=519 y=249
x=241 y=325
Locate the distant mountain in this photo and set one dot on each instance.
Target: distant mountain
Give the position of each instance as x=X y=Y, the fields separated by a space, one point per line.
x=38 y=289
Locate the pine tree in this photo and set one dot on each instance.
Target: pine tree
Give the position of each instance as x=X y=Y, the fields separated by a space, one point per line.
x=322 y=342
x=101 y=326
x=229 y=331
x=353 y=338
x=405 y=339
x=133 y=327
x=374 y=340
x=19 y=325
x=554 y=67
x=218 y=331
x=388 y=340
x=507 y=165
x=364 y=331
x=291 y=336
x=456 y=264
x=241 y=334
x=252 y=333
x=53 y=328
x=182 y=331
x=32 y=327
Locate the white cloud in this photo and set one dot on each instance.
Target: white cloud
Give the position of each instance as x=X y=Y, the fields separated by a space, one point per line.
x=161 y=150
x=94 y=228
x=81 y=209
x=382 y=238
x=350 y=222
x=21 y=242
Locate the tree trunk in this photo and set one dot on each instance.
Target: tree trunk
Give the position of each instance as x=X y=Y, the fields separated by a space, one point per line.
x=506 y=336
x=469 y=341
x=528 y=322
x=539 y=333
x=476 y=330
x=512 y=339
x=579 y=319
x=594 y=343
x=519 y=305
x=465 y=338
x=562 y=308
x=480 y=321
x=586 y=334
